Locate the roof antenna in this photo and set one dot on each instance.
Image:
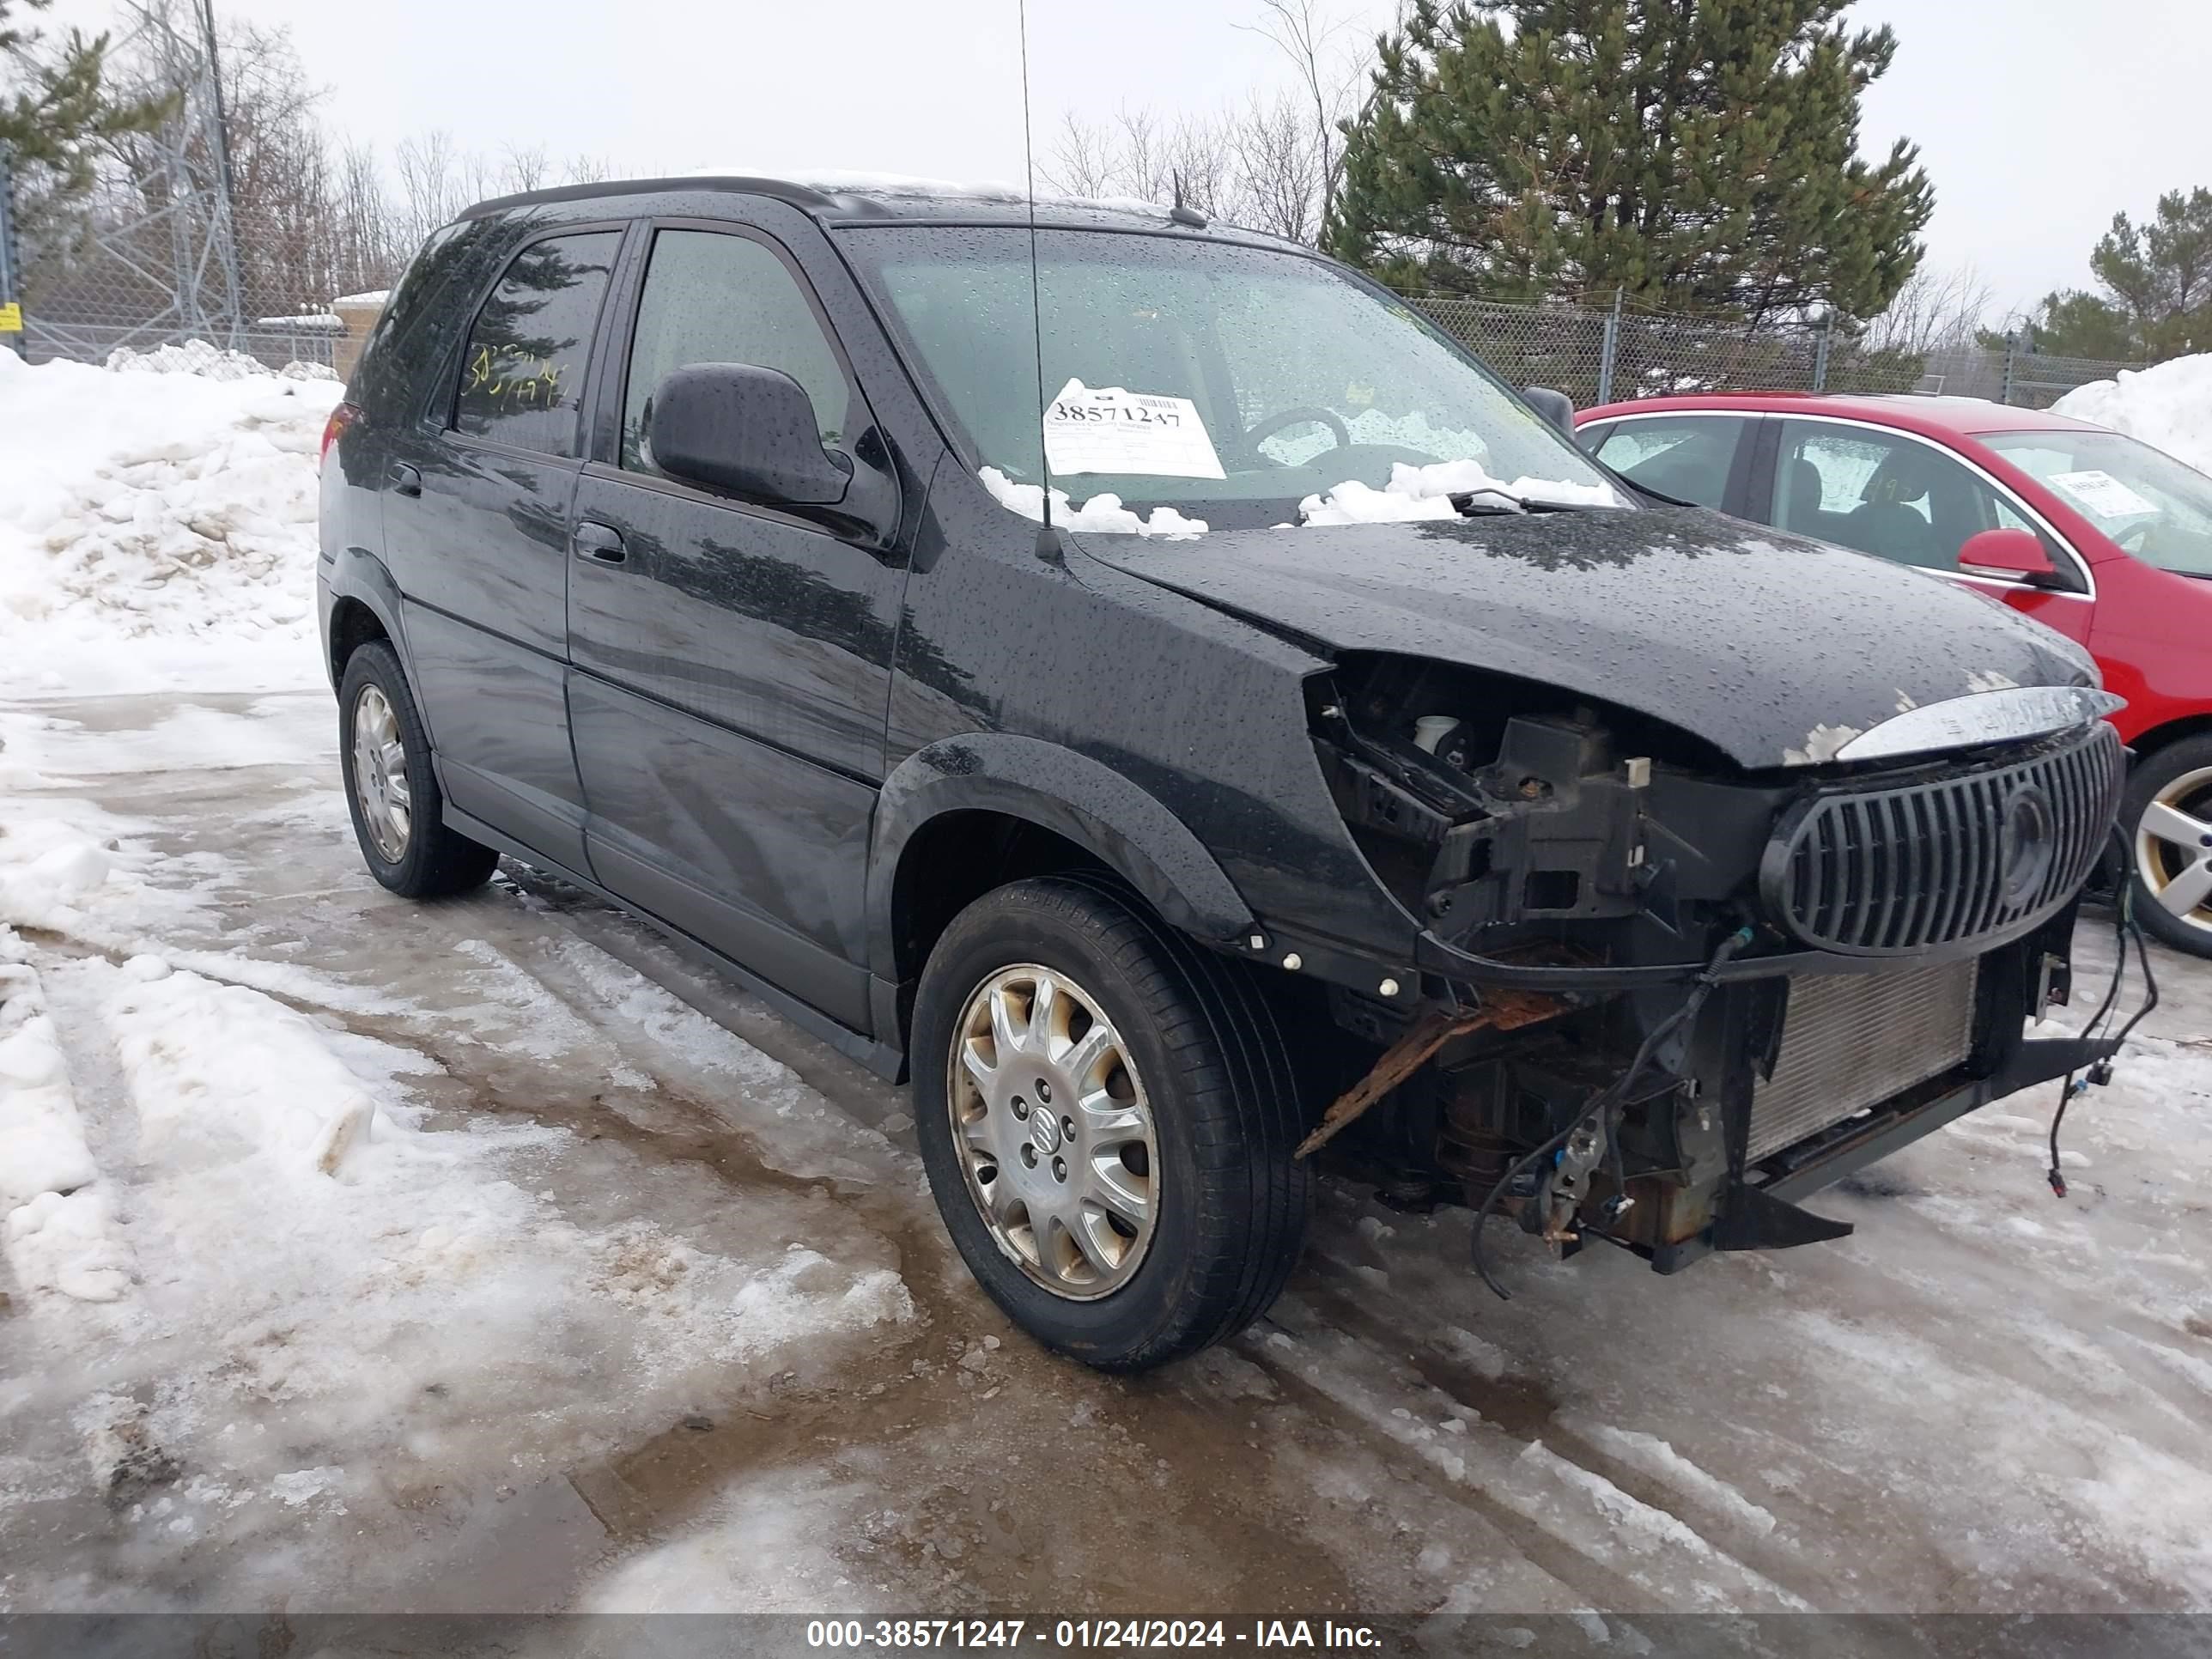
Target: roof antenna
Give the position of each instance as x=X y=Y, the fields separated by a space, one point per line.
x=1181 y=213
x=1037 y=304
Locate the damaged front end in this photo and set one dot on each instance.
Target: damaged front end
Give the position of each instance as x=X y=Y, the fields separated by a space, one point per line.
x=1661 y=997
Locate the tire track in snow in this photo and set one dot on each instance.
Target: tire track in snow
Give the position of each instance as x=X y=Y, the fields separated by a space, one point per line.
x=1612 y=1547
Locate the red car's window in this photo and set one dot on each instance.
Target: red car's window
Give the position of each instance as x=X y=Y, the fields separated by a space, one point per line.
x=1895 y=497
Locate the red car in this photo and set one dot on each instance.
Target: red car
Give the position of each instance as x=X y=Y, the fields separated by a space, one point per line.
x=2098 y=536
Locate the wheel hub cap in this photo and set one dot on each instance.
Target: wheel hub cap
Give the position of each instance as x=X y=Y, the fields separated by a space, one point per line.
x=1054 y=1131
x=2173 y=849
x=379 y=775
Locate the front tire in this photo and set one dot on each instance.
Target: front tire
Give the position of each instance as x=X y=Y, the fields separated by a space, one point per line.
x=391 y=789
x=2166 y=815
x=1107 y=1116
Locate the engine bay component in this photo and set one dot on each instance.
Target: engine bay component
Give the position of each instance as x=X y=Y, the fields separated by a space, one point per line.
x=1502 y=1010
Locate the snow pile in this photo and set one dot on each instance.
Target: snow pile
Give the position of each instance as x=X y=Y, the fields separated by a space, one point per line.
x=157 y=527
x=1102 y=514
x=1425 y=492
x=269 y=1085
x=55 y=1224
x=2169 y=407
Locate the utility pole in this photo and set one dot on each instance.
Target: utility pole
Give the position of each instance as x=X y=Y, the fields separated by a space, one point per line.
x=224 y=230
x=11 y=261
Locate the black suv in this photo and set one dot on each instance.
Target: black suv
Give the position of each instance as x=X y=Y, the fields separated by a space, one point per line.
x=1275 y=733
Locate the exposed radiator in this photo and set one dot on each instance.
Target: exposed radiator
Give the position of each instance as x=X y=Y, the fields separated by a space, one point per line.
x=1851 y=1041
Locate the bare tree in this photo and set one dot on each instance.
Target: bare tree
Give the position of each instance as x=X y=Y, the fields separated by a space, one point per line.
x=1329 y=78
x=1272 y=164
x=527 y=169
x=1278 y=175
x=1939 y=309
x=1083 y=160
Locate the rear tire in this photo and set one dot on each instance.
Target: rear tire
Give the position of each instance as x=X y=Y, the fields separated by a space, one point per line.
x=1199 y=1060
x=398 y=809
x=2170 y=856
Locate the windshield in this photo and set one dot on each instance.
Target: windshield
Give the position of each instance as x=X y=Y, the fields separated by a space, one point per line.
x=1198 y=374
x=2146 y=501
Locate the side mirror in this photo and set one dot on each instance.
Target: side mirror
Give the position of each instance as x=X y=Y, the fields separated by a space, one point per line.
x=1554 y=406
x=2014 y=553
x=746 y=429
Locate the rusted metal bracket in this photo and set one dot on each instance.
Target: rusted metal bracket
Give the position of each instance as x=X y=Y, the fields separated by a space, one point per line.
x=1502 y=1010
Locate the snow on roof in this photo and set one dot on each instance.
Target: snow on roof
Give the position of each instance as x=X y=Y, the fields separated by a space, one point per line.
x=834 y=181
x=374 y=298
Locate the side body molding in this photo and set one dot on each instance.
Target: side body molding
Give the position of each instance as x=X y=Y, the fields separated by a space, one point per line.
x=1057 y=789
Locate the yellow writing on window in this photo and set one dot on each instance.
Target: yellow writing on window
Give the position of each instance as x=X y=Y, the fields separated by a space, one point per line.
x=511 y=381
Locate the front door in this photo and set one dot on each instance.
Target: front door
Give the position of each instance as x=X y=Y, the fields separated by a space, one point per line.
x=475 y=528
x=732 y=662
x=1904 y=498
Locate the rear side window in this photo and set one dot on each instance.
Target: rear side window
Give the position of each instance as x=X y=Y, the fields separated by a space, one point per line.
x=711 y=297
x=1688 y=458
x=522 y=375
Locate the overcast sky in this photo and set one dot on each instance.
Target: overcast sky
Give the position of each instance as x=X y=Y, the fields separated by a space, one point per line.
x=2036 y=119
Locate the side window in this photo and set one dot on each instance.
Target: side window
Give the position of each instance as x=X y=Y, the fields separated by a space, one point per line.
x=522 y=374
x=711 y=297
x=1890 y=495
x=1688 y=458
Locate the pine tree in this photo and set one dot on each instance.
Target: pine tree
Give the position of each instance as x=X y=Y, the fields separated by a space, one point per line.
x=56 y=112
x=1697 y=154
x=2157 y=283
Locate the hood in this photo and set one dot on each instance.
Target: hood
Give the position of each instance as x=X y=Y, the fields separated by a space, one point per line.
x=1775 y=649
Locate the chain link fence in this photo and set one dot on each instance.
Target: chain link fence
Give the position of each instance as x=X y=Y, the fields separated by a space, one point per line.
x=1606 y=356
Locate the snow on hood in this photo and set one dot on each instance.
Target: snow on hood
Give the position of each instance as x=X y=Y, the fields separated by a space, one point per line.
x=1413 y=492
x=1425 y=492
x=2168 y=406
x=1102 y=514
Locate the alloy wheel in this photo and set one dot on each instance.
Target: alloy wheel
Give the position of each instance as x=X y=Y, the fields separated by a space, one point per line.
x=379 y=775
x=1054 y=1132
x=2173 y=848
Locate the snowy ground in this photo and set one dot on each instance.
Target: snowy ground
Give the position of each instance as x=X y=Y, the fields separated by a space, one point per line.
x=484 y=1257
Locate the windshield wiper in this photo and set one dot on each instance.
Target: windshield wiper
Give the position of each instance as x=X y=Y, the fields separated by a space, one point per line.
x=1487 y=504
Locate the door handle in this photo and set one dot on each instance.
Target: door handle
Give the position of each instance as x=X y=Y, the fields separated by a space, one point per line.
x=405 y=480
x=601 y=542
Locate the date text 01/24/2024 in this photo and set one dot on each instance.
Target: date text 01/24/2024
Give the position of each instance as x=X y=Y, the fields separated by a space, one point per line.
x=1281 y=1634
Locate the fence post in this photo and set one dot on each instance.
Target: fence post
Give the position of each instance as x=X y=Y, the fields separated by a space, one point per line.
x=2012 y=351
x=11 y=268
x=1608 y=351
x=1820 y=350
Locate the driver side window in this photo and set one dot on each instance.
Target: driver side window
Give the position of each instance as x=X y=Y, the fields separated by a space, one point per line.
x=712 y=297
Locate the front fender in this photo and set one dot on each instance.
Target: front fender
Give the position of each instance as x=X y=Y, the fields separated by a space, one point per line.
x=1058 y=789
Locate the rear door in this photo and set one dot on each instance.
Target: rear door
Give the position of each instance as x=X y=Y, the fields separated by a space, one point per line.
x=475 y=520
x=1908 y=499
x=731 y=661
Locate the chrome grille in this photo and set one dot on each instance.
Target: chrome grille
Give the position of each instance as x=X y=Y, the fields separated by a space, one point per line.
x=1851 y=1041
x=1893 y=871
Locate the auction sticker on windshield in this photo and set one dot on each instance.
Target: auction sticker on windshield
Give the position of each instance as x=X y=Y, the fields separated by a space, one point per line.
x=2103 y=493
x=1111 y=430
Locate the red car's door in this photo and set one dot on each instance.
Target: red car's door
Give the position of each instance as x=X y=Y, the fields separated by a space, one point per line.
x=1907 y=498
